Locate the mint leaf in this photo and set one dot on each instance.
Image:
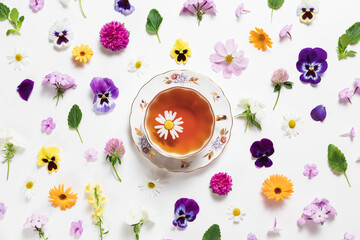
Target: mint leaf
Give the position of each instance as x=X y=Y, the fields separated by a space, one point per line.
x=10 y=31
x=154 y=20
x=213 y=233
x=74 y=118
x=14 y=15
x=354 y=33
x=4 y=11
x=350 y=53
x=275 y=4
x=20 y=21
x=288 y=84
x=344 y=41
x=337 y=161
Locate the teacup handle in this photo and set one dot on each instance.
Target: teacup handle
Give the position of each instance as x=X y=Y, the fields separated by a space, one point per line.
x=221 y=117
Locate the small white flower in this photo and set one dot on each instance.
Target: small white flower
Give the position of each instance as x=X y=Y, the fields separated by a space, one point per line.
x=18 y=58
x=7 y=135
x=30 y=187
x=255 y=106
x=236 y=212
x=61 y=33
x=151 y=186
x=169 y=125
x=138 y=65
x=292 y=125
x=137 y=214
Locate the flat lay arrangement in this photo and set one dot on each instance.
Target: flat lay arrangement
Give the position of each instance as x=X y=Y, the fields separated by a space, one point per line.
x=193 y=119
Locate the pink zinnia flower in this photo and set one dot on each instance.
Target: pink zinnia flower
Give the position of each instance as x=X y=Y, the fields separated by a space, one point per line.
x=310 y=171
x=114 y=36
x=285 y=31
x=48 y=125
x=115 y=148
x=346 y=94
x=91 y=155
x=36 y=5
x=221 y=183
x=228 y=59
x=280 y=76
x=76 y=228
x=240 y=10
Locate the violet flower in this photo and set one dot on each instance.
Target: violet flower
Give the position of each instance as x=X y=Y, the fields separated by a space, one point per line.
x=2 y=209
x=318 y=113
x=221 y=183
x=312 y=63
x=310 y=171
x=262 y=150
x=240 y=10
x=48 y=125
x=36 y=223
x=185 y=211
x=76 y=228
x=350 y=134
x=105 y=92
x=198 y=8
x=251 y=236
x=285 y=31
x=61 y=81
x=346 y=94
x=124 y=7
x=36 y=5
x=25 y=89
x=348 y=236
x=61 y=33
x=318 y=211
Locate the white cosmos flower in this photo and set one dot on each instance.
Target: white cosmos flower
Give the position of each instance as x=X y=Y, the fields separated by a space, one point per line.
x=151 y=186
x=18 y=58
x=168 y=124
x=138 y=213
x=138 y=65
x=292 y=125
x=7 y=135
x=31 y=187
x=236 y=212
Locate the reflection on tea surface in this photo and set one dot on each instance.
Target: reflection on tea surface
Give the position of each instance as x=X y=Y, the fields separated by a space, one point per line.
x=179 y=120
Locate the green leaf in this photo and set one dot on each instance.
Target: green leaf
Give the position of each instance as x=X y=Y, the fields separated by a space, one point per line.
x=354 y=33
x=14 y=15
x=336 y=159
x=74 y=117
x=277 y=87
x=154 y=20
x=213 y=233
x=275 y=4
x=4 y=11
x=350 y=53
x=20 y=21
x=288 y=84
x=10 y=31
x=344 y=41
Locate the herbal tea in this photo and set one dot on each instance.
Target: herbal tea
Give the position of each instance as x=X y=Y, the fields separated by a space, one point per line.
x=180 y=121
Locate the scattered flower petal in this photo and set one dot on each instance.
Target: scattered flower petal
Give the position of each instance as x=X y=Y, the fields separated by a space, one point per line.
x=240 y=10
x=318 y=113
x=25 y=89
x=350 y=134
x=76 y=228
x=2 y=209
x=348 y=236
x=285 y=31
x=274 y=229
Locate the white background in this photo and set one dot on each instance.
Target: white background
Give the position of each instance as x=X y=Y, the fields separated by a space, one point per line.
x=290 y=154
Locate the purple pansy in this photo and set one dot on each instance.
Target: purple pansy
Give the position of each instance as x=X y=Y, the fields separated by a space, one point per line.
x=185 y=211
x=262 y=150
x=105 y=92
x=25 y=89
x=318 y=113
x=124 y=7
x=312 y=63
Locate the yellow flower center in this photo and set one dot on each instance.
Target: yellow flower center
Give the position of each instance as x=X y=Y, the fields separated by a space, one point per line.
x=82 y=53
x=18 y=57
x=169 y=124
x=29 y=185
x=151 y=185
x=228 y=58
x=138 y=65
x=103 y=97
x=292 y=123
x=236 y=212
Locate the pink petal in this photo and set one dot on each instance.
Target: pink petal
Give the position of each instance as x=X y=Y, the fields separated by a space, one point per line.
x=216 y=58
x=217 y=67
x=227 y=73
x=230 y=46
x=242 y=62
x=239 y=53
x=220 y=49
x=239 y=10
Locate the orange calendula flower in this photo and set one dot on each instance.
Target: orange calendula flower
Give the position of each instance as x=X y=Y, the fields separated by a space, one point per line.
x=260 y=39
x=63 y=198
x=83 y=53
x=277 y=187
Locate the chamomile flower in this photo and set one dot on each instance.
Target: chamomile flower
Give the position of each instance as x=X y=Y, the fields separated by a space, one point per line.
x=169 y=124
x=18 y=58
x=292 y=125
x=138 y=65
x=30 y=187
x=236 y=212
x=151 y=187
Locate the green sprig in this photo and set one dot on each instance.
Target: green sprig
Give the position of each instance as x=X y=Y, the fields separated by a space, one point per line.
x=250 y=118
x=9 y=153
x=99 y=223
x=351 y=36
x=13 y=18
x=277 y=89
x=114 y=160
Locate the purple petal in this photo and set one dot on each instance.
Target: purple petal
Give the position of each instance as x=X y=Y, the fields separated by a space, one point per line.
x=192 y=206
x=180 y=222
x=308 y=54
x=320 y=53
x=262 y=147
x=299 y=65
x=263 y=161
x=25 y=89
x=323 y=65
x=318 y=113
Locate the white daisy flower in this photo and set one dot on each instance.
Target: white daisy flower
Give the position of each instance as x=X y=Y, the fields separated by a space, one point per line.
x=236 y=212
x=151 y=187
x=18 y=58
x=30 y=187
x=168 y=124
x=138 y=65
x=292 y=125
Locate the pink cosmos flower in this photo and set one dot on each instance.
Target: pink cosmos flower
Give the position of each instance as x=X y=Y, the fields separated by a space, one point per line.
x=240 y=10
x=310 y=171
x=348 y=236
x=228 y=59
x=91 y=155
x=350 y=134
x=280 y=76
x=48 y=125
x=221 y=183
x=285 y=31
x=36 y=5
x=346 y=94
x=76 y=228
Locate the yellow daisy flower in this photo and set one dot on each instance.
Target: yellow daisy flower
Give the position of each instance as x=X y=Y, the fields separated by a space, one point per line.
x=62 y=198
x=260 y=39
x=49 y=156
x=181 y=51
x=83 y=53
